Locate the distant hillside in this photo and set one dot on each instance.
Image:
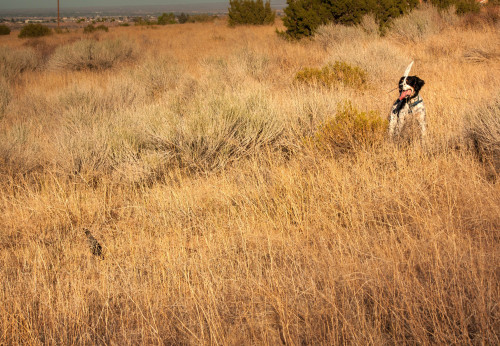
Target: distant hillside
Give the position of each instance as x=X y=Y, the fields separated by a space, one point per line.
x=215 y=7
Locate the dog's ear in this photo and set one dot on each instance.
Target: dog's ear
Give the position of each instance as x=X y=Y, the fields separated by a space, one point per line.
x=416 y=83
x=419 y=83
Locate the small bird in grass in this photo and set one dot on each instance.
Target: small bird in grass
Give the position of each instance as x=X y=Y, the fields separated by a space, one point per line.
x=95 y=247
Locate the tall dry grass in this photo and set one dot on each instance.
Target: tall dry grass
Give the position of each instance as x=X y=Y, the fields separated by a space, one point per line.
x=219 y=224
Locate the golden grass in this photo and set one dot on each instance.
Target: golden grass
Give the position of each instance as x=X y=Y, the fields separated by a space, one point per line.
x=218 y=226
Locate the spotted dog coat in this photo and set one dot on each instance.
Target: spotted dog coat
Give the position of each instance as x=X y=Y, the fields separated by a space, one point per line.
x=406 y=107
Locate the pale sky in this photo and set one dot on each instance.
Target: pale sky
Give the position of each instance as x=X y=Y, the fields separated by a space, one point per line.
x=28 y=4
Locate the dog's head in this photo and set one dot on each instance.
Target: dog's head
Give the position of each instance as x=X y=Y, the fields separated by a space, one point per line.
x=411 y=88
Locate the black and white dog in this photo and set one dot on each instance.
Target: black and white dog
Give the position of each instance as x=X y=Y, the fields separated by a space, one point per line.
x=409 y=104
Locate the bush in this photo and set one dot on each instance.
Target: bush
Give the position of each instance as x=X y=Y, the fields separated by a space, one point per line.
x=166 y=18
x=183 y=18
x=330 y=35
x=349 y=130
x=340 y=72
x=91 y=28
x=139 y=21
x=220 y=129
x=467 y=6
x=15 y=62
x=4 y=30
x=417 y=25
x=34 y=30
x=303 y=17
x=202 y=18
x=61 y=31
x=250 y=12
x=483 y=133
x=5 y=95
x=462 y=6
x=90 y=54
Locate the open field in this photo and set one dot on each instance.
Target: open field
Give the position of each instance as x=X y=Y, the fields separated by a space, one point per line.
x=184 y=150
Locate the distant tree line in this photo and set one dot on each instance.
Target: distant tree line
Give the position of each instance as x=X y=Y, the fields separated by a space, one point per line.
x=171 y=18
x=303 y=17
x=254 y=12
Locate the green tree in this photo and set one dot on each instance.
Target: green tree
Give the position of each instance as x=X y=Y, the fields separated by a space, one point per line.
x=183 y=18
x=166 y=18
x=302 y=17
x=253 y=12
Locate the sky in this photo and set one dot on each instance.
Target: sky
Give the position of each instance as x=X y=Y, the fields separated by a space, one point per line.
x=33 y=4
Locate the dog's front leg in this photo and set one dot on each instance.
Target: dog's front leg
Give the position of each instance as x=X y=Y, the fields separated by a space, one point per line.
x=421 y=118
x=393 y=119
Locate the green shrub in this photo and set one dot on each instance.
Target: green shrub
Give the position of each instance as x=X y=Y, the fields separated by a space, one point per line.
x=462 y=6
x=34 y=30
x=124 y=24
x=201 y=18
x=329 y=75
x=61 y=31
x=349 y=130
x=139 y=21
x=166 y=18
x=4 y=30
x=91 y=28
x=253 y=12
x=467 y=6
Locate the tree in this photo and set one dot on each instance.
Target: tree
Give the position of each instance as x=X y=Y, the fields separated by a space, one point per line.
x=166 y=18
x=183 y=18
x=302 y=17
x=253 y=12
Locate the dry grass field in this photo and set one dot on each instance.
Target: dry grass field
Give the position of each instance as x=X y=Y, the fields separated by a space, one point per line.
x=185 y=150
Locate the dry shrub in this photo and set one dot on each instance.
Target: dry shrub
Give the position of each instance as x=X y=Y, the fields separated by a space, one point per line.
x=256 y=65
x=331 y=34
x=5 y=95
x=483 y=133
x=13 y=62
x=349 y=130
x=489 y=16
x=42 y=47
x=219 y=129
x=382 y=60
x=332 y=74
x=417 y=25
x=370 y=26
x=21 y=150
x=156 y=76
x=91 y=54
x=479 y=55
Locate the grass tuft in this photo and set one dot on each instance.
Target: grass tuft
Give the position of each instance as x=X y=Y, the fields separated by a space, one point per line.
x=330 y=75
